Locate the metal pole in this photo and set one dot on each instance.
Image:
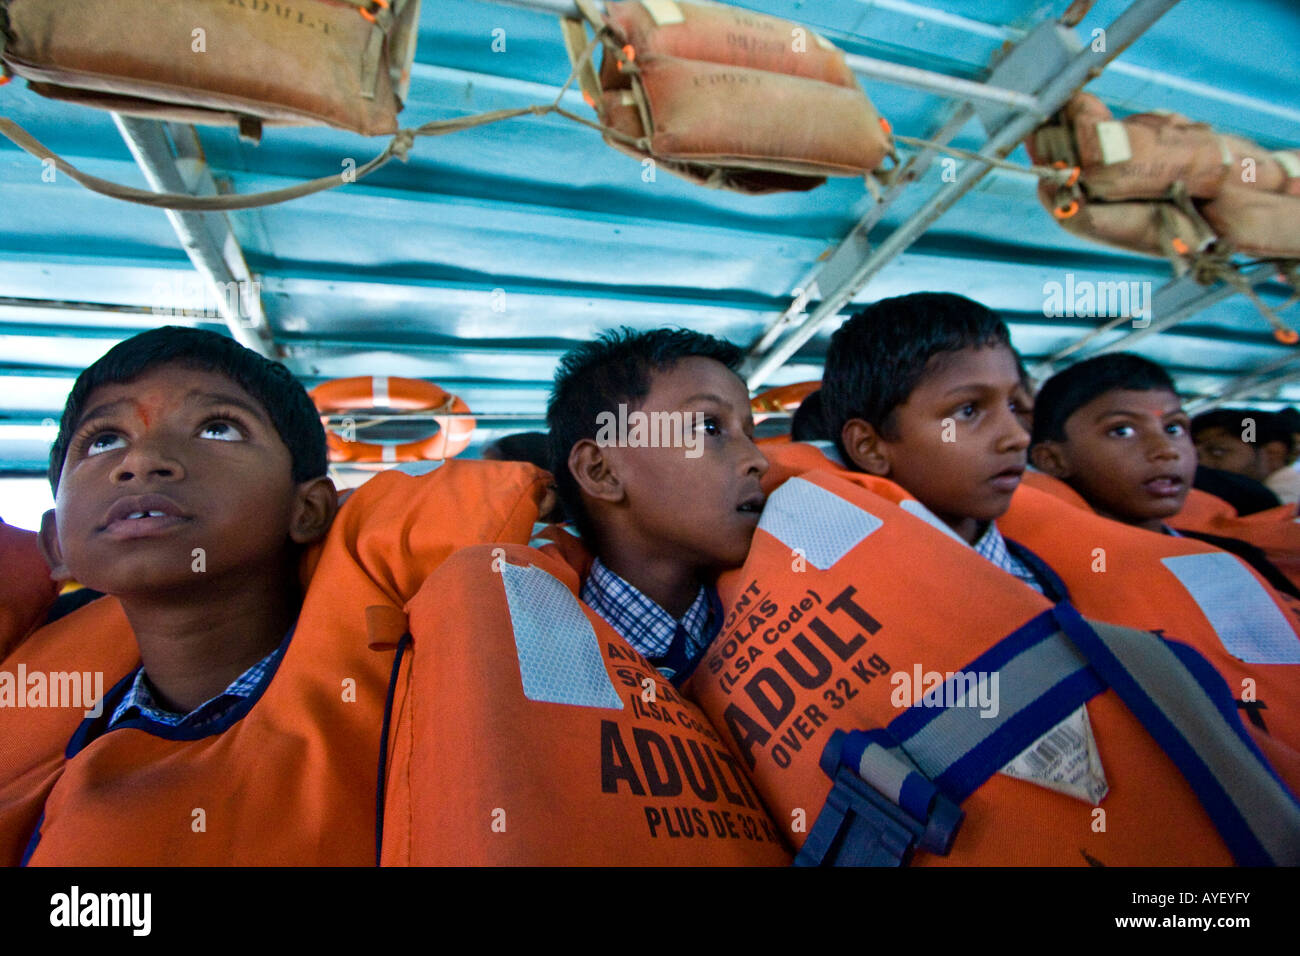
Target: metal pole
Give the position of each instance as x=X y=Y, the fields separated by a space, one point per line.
x=1126 y=28
x=206 y=236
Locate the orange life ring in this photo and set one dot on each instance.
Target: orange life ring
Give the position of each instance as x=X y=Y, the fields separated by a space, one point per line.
x=784 y=398
x=365 y=392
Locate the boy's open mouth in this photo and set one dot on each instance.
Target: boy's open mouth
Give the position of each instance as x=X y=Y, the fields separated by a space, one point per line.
x=1008 y=479
x=1164 y=486
x=753 y=504
x=140 y=516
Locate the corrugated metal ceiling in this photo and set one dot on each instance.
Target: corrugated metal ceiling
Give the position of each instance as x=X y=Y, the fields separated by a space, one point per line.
x=479 y=261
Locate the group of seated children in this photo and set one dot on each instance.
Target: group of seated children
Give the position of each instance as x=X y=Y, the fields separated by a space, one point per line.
x=179 y=442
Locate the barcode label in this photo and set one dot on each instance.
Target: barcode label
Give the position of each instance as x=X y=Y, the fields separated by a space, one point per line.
x=1064 y=759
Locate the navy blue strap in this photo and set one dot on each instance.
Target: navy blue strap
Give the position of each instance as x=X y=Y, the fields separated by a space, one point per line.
x=380 y=794
x=1259 y=820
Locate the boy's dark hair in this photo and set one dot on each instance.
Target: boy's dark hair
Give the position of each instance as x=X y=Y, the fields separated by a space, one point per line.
x=878 y=356
x=1269 y=427
x=531 y=447
x=1070 y=389
x=597 y=376
x=283 y=398
x=806 y=423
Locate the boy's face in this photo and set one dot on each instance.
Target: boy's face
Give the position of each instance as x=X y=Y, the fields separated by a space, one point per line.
x=1128 y=453
x=697 y=504
x=175 y=460
x=957 y=445
x=1220 y=448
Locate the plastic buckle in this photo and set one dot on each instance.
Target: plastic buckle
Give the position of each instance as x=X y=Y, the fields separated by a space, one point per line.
x=860 y=826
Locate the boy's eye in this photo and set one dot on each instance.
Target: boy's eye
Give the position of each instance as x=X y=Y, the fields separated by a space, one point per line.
x=710 y=426
x=104 y=441
x=1122 y=431
x=966 y=411
x=221 y=430
x=1176 y=428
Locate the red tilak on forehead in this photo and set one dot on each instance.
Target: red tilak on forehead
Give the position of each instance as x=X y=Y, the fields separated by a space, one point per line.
x=149 y=405
x=1157 y=411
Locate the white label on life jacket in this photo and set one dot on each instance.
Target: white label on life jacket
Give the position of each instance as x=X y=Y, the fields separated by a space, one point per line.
x=1242 y=612
x=1112 y=138
x=1065 y=759
x=663 y=12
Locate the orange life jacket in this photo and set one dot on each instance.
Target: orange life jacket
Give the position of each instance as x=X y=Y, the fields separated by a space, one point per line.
x=1274 y=531
x=26 y=590
x=842 y=592
x=1185 y=590
x=525 y=730
x=290 y=780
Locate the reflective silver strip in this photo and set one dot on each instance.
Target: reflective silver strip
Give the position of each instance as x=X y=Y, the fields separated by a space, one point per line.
x=884 y=770
x=560 y=657
x=663 y=12
x=819 y=523
x=1242 y=612
x=1021 y=681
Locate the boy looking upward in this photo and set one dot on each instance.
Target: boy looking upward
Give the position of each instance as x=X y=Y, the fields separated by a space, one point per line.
x=188 y=472
x=662 y=517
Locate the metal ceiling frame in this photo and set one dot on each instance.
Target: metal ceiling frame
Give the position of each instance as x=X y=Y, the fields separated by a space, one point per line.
x=1175 y=302
x=846 y=278
x=171 y=158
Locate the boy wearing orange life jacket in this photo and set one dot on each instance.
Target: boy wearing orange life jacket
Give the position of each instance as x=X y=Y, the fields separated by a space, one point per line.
x=925 y=392
x=188 y=473
x=1114 y=430
x=562 y=655
x=243 y=721
x=667 y=502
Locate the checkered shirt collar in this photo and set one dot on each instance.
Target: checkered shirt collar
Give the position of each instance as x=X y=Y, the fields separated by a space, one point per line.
x=141 y=699
x=642 y=623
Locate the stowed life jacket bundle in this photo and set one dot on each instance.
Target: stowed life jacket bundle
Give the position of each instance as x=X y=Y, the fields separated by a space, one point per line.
x=525 y=730
x=290 y=778
x=1160 y=184
x=342 y=63
x=726 y=97
x=847 y=602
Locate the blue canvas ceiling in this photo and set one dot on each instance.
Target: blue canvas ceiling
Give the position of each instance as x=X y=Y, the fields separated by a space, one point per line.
x=480 y=260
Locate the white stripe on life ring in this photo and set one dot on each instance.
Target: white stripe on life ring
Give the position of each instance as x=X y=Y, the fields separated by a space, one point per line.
x=379 y=391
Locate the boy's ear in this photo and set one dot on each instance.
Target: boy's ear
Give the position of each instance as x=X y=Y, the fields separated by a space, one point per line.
x=1050 y=458
x=314 y=508
x=593 y=471
x=866 y=449
x=48 y=542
